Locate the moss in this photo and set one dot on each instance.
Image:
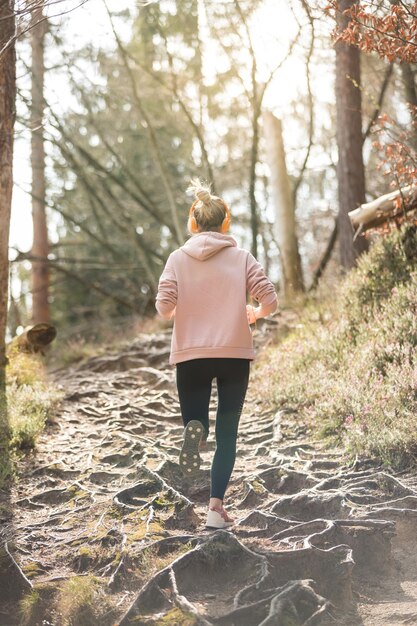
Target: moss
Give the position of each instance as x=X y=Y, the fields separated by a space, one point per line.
x=116 y=512
x=217 y=551
x=78 y=493
x=257 y=487
x=174 y=617
x=31 y=569
x=154 y=528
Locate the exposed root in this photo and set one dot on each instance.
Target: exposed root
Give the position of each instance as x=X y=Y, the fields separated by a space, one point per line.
x=105 y=497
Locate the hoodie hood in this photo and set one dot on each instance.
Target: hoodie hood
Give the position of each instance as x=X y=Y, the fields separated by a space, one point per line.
x=204 y=245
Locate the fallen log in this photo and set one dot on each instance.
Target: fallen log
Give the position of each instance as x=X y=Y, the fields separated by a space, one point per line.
x=387 y=207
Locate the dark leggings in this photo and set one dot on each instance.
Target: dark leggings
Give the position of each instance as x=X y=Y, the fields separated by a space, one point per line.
x=194 y=379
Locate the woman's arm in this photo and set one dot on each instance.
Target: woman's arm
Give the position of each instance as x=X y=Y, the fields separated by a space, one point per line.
x=166 y=298
x=261 y=289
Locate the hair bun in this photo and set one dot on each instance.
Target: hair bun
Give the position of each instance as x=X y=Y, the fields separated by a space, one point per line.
x=203 y=195
x=200 y=190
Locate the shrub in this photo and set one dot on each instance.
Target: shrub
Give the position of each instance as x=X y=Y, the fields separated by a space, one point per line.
x=351 y=368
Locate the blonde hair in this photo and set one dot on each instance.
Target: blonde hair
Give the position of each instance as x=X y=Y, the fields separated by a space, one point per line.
x=210 y=211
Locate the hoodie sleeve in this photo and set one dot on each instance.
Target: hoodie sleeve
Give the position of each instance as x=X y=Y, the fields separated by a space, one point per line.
x=166 y=298
x=259 y=286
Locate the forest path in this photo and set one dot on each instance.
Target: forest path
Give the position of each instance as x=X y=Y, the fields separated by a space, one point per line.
x=318 y=541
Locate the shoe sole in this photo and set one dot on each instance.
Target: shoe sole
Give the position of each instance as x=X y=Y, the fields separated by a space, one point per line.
x=190 y=459
x=219 y=527
x=215 y=521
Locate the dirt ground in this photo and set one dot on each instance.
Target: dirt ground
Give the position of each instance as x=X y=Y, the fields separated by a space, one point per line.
x=318 y=540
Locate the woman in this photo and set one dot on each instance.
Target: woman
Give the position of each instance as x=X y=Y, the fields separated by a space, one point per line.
x=204 y=287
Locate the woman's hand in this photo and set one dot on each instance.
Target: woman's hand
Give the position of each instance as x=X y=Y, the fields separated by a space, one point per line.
x=252 y=313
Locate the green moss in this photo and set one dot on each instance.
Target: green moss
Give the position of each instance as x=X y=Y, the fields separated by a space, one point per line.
x=77 y=492
x=154 y=528
x=116 y=512
x=257 y=487
x=162 y=501
x=174 y=617
x=31 y=569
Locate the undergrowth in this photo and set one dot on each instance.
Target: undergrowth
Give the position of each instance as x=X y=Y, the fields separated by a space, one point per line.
x=83 y=600
x=30 y=400
x=108 y=335
x=350 y=367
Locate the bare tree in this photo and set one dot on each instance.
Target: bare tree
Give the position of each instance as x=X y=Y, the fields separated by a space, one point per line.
x=350 y=169
x=40 y=247
x=283 y=200
x=7 y=117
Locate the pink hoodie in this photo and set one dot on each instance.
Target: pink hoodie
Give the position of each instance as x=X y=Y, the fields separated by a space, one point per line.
x=204 y=284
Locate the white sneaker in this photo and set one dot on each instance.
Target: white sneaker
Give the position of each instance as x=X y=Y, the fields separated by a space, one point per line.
x=216 y=520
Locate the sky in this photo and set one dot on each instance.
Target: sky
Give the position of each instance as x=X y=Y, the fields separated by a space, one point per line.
x=272 y=30
x=85 y=23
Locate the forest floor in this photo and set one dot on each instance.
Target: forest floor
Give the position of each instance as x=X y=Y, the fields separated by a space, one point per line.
x=102 y=528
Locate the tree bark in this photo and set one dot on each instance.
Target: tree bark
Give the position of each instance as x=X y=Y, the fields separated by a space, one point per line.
x=409 y=84
x=350 y=169
x=40 y=246
x=410 y=89
x=384 y=209
x=7 y=118
x=255 y=98
x=282 y=196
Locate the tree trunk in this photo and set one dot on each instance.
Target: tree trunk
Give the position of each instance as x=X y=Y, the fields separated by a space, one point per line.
x=7 y=117
x=40 y=247
x=252 y=174
x=409 y=84
x=389 y=206
x=410 y=95
x=282 y=196
x=350 y=169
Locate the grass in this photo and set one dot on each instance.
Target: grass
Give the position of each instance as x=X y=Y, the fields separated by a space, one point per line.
x=31 y=400
x=350 y=369
x=83 y=600
x=34 y=606
x=29 y=407
x=29 y=607
x=149 y=561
